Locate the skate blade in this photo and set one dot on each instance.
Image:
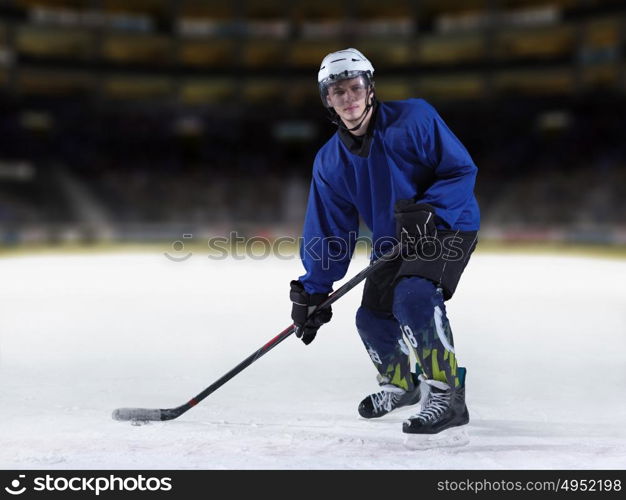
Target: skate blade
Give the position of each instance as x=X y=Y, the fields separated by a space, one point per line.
x=450 y=438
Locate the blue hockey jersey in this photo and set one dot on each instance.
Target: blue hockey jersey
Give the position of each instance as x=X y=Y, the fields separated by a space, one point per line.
x=413 y=154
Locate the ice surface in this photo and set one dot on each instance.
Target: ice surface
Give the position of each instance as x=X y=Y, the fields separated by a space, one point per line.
x=543 y=339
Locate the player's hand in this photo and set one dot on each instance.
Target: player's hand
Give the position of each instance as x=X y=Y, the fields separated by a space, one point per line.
x=304 y=313
x=415 y=222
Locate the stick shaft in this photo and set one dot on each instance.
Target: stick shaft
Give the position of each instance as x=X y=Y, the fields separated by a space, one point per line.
x=126 y=414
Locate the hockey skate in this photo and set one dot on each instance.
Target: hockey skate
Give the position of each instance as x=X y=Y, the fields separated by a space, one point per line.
x=440 y=421
x=390 y=398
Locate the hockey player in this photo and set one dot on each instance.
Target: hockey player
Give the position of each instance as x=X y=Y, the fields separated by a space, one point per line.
x=398 y=166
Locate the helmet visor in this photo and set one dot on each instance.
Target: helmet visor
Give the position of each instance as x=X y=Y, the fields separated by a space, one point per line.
x=337 y=89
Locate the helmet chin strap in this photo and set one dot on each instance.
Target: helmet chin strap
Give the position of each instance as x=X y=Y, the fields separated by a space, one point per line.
x=339 y=122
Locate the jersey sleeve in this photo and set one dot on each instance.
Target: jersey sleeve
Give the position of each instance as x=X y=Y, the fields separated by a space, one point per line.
x=454 y=169
x=329 y=236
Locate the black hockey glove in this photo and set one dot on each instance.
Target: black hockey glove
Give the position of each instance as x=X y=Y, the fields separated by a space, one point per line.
x=306 y=319
x=414 y=221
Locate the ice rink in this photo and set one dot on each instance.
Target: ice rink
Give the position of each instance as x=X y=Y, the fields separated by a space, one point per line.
x=543 y=339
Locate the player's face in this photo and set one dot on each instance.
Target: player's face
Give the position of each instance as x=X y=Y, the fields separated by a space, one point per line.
x=348 y=99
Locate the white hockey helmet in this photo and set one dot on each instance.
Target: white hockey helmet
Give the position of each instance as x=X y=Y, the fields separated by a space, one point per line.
x=342 y=65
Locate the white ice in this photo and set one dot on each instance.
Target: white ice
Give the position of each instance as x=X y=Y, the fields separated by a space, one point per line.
x=543 y=338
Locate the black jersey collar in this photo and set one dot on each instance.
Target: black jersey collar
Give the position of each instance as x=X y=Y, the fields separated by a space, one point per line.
x=360 y=145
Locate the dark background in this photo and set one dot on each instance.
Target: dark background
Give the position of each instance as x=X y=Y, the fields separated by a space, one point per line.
x=142 y=120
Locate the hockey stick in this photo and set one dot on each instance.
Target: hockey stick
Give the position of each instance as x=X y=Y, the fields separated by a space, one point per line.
x=146 y=414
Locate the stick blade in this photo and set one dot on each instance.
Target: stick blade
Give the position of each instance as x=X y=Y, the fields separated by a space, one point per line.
x=136 y=414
